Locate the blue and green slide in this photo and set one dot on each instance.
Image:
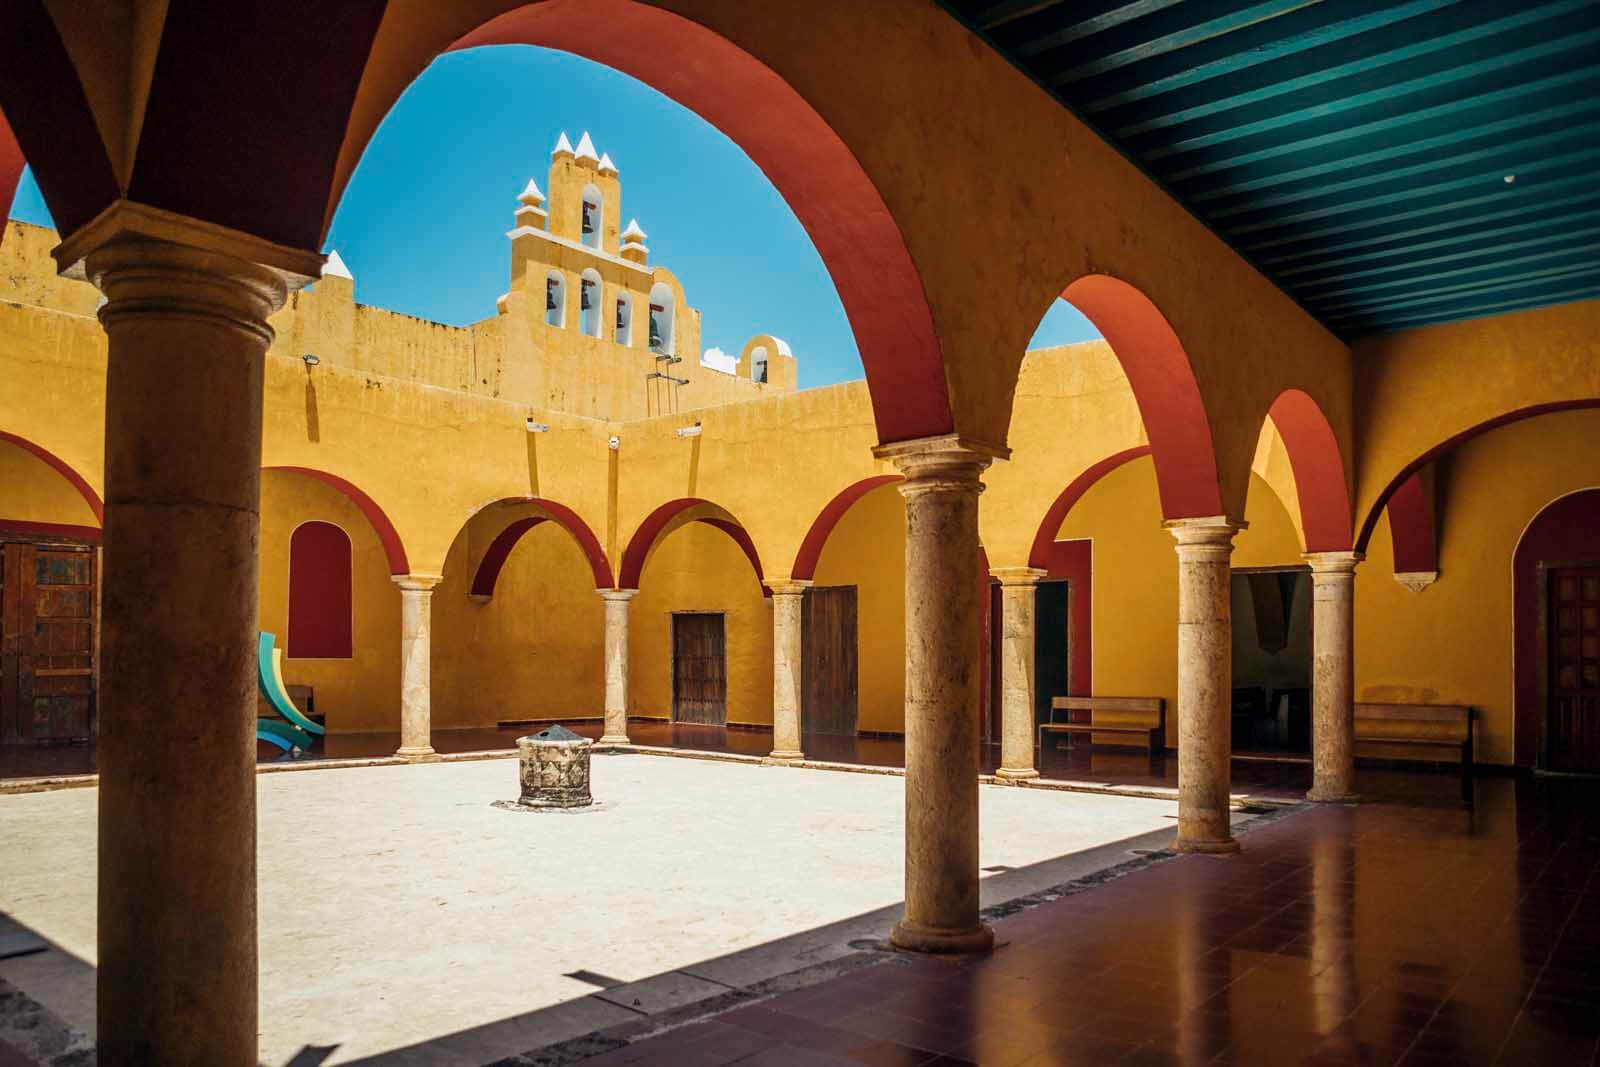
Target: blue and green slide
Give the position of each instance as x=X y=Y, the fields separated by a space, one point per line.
x=294 y=730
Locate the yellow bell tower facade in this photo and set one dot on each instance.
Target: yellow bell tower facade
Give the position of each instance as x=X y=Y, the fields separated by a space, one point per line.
x=612 y=336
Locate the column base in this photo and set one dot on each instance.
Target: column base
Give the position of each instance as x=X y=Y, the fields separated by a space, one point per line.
x=1207 y=848
x=1015 y=774
x=915 y=937
x=422 y=754
x=613 y=739
x=1321 y=796
x=782 y=757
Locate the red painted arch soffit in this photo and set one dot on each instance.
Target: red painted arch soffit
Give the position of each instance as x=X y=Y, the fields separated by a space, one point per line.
x=1165 y=389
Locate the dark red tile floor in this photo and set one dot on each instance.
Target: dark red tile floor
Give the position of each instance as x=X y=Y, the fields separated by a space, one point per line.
x=1382 y=934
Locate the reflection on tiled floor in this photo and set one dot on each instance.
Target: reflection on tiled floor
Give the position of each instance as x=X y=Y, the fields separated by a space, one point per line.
x=1381 y=934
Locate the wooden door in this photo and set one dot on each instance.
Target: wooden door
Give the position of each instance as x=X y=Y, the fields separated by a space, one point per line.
x=699 y=669
x=1574 y=726
x=47 y=596
x=828 y=673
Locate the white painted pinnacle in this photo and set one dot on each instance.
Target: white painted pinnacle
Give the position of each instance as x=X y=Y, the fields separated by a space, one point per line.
x=633 y=232
x=586 y=148
x=531 y=195
x=606 y=166
x=562 y=145
x=335 y=267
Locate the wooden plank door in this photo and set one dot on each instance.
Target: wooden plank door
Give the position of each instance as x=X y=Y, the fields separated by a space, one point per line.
x=46 y=644
x=1574 y=726
x=828 y=677
x=699 y=669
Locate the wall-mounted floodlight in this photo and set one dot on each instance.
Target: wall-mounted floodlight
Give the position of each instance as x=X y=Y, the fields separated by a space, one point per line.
x=537 y=427
x=614 y=443
x=689 y=431
x=310 y=360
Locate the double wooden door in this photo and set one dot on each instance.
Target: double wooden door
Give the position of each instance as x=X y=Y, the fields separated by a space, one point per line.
x=47 y=637
x=699 y=669
x=829 y=670
x=1573 y=733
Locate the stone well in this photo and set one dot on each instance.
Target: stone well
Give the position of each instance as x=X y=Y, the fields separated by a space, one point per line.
x=554 y=765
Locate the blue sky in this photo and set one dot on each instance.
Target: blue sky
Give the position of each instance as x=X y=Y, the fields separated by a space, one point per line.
x=422 y=224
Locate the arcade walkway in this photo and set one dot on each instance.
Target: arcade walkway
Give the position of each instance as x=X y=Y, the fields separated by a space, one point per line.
x=1382 y=934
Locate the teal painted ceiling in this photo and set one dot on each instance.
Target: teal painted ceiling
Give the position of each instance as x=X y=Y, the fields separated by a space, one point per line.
x=1388 y=164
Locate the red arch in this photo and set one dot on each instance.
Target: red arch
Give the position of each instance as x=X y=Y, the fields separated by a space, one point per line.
x=805 y=561
x=1563 y=529
x=1165 y=388
x=814 y=171
x=1318 y=467
x=663 y=517
x=1371 y=521
x=64 y=469
x=488 y=572
x=11 y=164
x=387 y=534
x=1416 y=544
x=1045 y=538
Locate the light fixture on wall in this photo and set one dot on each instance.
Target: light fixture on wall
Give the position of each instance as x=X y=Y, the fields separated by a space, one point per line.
x=614 y=443
x=310 y=360
x=688 y=431
x=537 y=427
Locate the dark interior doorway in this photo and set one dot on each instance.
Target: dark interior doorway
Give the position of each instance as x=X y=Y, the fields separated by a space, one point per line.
x=699 y=668
x=1052 y=641
x=1573 y=731
x=1272 y=661
x=829 y=672
x=48 y=624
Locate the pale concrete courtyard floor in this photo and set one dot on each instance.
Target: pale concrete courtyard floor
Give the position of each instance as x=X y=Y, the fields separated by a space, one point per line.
x=404 y=920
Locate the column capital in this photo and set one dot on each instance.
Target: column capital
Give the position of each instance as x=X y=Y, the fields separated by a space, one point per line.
x=1018 y=575
x=788 y=586
x=939 y=463
x=131 y=221
x=416 y=583
x=1209 y=538
x=617 y=596
x=1333 y=564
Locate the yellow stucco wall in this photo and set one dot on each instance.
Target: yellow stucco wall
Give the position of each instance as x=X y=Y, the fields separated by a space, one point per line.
x=356 y=695
x=1451 y=643
x=531 y=651
x=32 y=491
x=868 y=550
x=699 y=568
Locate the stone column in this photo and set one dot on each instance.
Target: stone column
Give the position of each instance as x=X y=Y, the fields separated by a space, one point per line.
x=1333 y=680
x=185 y=315
x=941 y=490
x=1017 y=586
x=1205 y=683
x=616 y=728
x=788 y=663
x=416 y=666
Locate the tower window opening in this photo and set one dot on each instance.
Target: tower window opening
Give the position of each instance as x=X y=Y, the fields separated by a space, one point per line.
x=663 y=302
x=624 y=329
x=758 y=364
x=590 y=217
x=589 y=303
x=555 y=299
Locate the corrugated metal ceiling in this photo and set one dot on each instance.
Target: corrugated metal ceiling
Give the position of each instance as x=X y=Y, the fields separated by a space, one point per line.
x=1388 y=164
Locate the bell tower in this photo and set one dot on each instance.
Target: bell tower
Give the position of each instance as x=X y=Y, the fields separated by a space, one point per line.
x=585 y=195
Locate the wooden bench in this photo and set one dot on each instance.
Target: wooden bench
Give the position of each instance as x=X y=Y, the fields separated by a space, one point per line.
x=1141 y=717
x=1418 y=729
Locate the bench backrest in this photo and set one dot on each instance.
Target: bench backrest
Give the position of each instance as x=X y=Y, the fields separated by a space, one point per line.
x=1120 y=711
x=1444 y=721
